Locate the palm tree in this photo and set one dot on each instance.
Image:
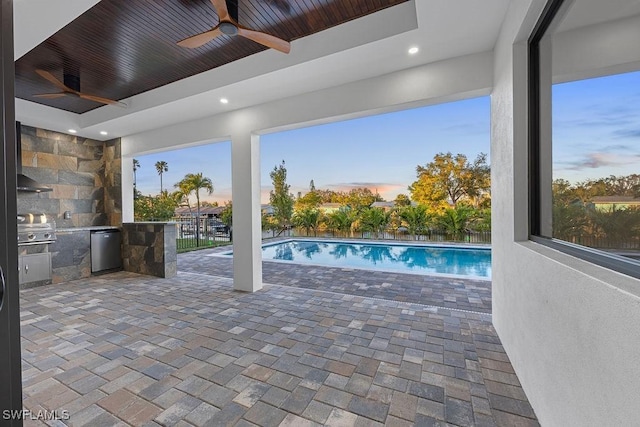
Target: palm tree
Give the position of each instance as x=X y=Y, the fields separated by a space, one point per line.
x=340 y=220
x=184 y=188
x=194 y=183
x=616 y=224
x=161 y=167
x=374 y=219
x=416 y=218
x=308 y=218
x=455 y=220
x=136 y=166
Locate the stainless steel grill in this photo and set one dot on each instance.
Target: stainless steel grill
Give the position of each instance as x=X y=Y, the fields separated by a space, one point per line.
x=35 y=229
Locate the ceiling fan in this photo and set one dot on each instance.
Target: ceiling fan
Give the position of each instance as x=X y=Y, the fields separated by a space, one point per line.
x=229 y=26
x=71 y=87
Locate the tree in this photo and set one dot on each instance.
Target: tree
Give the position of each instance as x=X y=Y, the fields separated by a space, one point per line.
x=455 y=220
x=374 y=220
x=155 y=208
x=161 y=167
x=616 y=224
x=185 y=190
x=449 y=180
x=360 y=198
x=340 y=220
x=194 y=183
x=569 y=216
x=482 y=220
x=312 y=199
x=416 y=218
x=307 y=218
x=226 y=216
x=280 y=198
x=569 y=220
x=402 y=200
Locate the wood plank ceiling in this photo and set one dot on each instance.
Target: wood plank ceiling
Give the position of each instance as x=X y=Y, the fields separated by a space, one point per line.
x=121 y=48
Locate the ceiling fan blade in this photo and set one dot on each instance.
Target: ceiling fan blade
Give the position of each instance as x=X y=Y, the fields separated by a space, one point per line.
x=221 y=8
x=51 y=78
x=265 y=39
x=50 y=95
x=99 y=99
x=200 y=39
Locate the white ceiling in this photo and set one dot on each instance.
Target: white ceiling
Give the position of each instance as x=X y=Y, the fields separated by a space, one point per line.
x=582 y=13
x=362 y=48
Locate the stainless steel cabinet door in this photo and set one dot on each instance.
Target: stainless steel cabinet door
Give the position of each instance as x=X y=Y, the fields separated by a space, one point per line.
x=35 y=267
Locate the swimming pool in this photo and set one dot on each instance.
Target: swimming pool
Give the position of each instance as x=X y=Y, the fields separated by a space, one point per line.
x=401 y=258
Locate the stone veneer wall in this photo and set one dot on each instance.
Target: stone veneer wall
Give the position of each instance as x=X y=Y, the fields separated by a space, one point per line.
x=71 y=256
x=85 y=175
x=150 y=248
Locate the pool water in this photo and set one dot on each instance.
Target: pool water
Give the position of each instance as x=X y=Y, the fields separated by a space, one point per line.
x=402 y=258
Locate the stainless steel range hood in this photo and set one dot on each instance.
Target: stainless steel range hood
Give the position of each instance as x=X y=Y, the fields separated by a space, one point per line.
x=27 y=184
x=24 y=182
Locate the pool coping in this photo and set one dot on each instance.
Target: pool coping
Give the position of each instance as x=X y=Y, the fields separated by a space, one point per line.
x=226 y=254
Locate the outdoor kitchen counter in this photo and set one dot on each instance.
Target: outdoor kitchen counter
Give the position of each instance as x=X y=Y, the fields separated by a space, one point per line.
x=88 y=228
x=150 y=248
x=71 y=252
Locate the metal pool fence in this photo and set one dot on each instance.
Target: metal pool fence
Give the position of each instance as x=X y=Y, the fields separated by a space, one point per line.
x=430 y=236
x=206 y=232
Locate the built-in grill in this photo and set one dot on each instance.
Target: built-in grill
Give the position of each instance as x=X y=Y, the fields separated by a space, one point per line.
x=35 y=229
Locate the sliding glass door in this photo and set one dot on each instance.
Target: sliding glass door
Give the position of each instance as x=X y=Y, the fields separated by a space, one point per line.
x=10 y=362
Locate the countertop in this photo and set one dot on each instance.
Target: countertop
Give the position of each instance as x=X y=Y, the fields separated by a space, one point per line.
x=88 y=228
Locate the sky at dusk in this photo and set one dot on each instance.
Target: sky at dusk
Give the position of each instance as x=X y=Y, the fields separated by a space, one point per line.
x=596 y=133
x=380 y=152
x=596 y=127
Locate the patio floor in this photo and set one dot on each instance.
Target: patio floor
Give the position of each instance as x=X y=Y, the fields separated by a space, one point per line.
x=462 y=294
x=125 y=349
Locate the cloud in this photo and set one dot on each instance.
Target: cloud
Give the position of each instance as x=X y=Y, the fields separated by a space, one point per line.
x=598 y=160
x=627 y=133
x=593 y=122
x=618 y=147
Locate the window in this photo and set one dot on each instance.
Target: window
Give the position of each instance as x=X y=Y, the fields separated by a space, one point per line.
x=585 y=131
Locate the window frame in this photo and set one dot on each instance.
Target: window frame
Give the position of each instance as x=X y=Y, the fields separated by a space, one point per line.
x=617 y=263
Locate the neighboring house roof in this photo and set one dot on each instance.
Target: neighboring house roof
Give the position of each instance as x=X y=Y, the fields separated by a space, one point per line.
x=627 y=200
x=207 y=210
x=267 y=209
x=326 y=206
x=383 y=204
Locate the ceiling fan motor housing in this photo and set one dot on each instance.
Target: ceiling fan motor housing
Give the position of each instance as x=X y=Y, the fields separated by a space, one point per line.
x=228 y=28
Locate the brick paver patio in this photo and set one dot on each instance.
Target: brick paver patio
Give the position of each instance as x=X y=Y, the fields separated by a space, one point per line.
x=125 y=349
x=463 y=294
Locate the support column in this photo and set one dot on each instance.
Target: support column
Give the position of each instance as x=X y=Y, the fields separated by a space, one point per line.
x=247 y=227
x=127 y=189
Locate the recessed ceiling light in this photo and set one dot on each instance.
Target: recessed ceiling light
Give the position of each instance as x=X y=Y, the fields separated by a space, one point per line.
x=413 y=50
x=224 y=100
x=104 y=132
x=72 y=131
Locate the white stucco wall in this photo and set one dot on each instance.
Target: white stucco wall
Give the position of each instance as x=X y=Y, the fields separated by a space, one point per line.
x=571 y=329
x=606 y=48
